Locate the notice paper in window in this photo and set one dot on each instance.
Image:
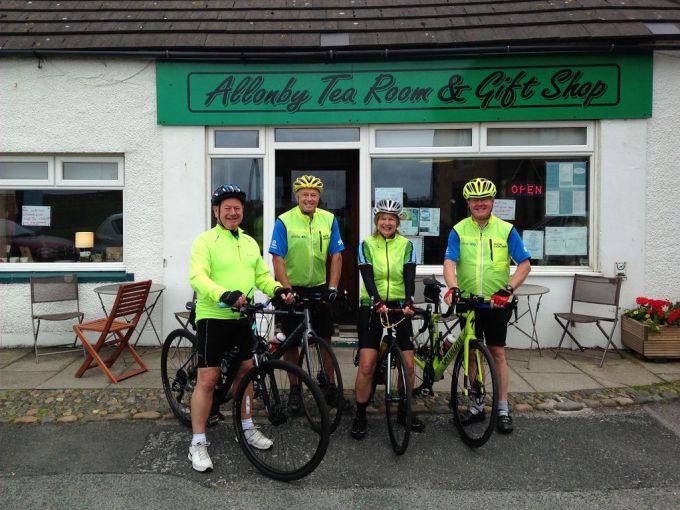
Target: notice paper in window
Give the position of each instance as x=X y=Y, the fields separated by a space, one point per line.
x=36 y=215
x=533 y=241
x=409 y=223
x=566 y=240
x=565 y=188
x=418 y=246
x=504 y=209
x=429 y=221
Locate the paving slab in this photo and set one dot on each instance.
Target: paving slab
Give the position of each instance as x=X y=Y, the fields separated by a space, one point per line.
x=618 y=376
x=545 y=364
x=150 y=379
x=543 y=382
x=54 y=362
x=517 y=383
x=10 y=380
x=8 y=356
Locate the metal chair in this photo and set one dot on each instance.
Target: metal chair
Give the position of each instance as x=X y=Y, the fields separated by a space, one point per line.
x=62 y=294
x=185 y=318
x=587 y=291
x=130 y=302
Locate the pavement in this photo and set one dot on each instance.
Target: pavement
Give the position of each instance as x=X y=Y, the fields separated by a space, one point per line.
x=48 y=391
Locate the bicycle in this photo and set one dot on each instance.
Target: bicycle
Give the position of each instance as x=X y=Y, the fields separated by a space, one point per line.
x=316 y=357
x=391 y=371
x=300 y=439
x=474 y=381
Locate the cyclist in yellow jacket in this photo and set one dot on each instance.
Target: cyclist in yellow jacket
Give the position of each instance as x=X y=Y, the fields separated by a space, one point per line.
x=226 y=265
x=477 y=262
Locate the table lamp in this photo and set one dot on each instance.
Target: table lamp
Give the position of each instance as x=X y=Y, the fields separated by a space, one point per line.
x=84 y=243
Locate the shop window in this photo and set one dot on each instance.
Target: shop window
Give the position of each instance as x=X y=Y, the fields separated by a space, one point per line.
x=546 y=198
x=316 y=134
x=247 y=174
x=423 y=137
x=236 y=138
x=42 y=212
x=539 y=136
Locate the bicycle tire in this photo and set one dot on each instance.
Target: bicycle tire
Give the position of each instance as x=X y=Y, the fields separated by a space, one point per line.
x=477 y=433
x=333 y=396
x=179 y=371
x=398 y=395
x=299 y=445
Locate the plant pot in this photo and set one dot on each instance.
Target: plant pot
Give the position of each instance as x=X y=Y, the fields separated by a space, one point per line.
x=649 y=343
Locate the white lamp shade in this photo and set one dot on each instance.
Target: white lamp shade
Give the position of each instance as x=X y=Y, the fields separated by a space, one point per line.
x=84 y=239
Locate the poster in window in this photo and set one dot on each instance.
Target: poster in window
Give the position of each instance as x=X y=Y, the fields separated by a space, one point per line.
x=565 y=188
x=36 y=215
x=504 y=209
x=429 y=221
x=396 y=194
x=566 y=240
x=409 y=223
x=533 y=241
x=419 y=247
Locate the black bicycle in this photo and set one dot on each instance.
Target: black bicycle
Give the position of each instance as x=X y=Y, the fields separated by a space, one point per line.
x=300 y=439
x=391 y=372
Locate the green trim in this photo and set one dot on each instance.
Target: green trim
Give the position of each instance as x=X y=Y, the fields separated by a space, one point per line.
x=83 y=276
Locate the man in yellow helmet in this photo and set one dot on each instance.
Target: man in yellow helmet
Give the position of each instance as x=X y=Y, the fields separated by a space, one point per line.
x=303 y=238
x=477 y=262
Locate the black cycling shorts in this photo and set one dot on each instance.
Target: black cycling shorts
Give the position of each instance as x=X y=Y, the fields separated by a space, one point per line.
x=322 y=314
x=216 y=337
x=370 y=330
x=491 y=325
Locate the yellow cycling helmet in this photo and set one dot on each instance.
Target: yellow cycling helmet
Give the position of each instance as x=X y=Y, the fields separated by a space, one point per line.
x=479 y=188
x=309 y=182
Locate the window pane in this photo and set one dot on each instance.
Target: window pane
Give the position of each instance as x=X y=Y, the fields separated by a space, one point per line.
x=317 y=134
x=536 y=136
x=23 y=170
x=232 y=139
x=546 y=198
x=247 y=174
x=40 y=225
x=90 y=171
x=423 y=138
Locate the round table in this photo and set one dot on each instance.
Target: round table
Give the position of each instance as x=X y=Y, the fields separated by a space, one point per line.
x=530 y=291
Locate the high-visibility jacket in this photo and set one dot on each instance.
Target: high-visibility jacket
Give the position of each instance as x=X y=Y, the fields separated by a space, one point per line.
x=387 y=256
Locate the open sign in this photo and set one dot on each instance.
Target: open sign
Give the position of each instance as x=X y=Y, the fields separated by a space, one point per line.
x=526 y=190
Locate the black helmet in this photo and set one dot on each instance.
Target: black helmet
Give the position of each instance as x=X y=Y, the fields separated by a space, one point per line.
x=227 y=191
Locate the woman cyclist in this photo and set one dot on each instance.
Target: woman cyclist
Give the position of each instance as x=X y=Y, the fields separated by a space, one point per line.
x=387 y=262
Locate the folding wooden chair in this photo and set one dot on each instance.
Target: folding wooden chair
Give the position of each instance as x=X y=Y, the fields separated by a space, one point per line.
x=588 y=291
x=55 y=290
x=130 y=302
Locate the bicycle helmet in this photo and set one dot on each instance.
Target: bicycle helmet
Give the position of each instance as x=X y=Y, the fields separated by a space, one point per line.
x=308 y=182
x=479 y=188
x=388 y=206
x=227 y=191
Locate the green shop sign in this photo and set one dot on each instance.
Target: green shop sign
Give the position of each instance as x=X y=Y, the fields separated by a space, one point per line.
x=461 y=90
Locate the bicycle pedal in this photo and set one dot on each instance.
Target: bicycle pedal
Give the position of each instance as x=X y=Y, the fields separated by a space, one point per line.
x=215 y=418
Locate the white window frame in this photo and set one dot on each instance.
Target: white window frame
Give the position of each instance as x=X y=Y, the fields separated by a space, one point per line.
x=234 y=151
x=315 y=145
x=471 y=149
x=55 y=181
x=535 y=149
x=89 y=183
x=29 y=183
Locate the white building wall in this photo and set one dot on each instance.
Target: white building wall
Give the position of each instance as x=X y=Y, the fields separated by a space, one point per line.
x=83 y=106
x=91 y=106
x=662 y=268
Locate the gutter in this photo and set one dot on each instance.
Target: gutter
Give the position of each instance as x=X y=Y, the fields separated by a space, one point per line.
x=335 y=54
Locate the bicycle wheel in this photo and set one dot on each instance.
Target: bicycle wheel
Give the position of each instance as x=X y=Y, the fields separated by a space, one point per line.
x=398 y=401
x=299 y=443
x=179 y=369
x=475 y=401
x=330 y=383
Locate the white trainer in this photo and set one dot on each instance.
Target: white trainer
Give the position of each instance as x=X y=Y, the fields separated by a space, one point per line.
x=257 y=439
x=198 y=455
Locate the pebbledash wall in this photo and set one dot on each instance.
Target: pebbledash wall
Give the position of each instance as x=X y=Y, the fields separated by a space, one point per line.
x=81 y=106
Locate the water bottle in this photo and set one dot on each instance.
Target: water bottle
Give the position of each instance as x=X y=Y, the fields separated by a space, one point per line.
x=276 y=342
x=448 y=342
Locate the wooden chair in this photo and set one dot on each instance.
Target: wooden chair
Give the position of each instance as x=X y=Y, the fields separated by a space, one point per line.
x=590 y=295
x=61 y=292
x=130 y=302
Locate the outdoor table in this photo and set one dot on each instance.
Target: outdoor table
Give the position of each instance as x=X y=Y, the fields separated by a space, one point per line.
x=154 y=295
x=534 y=294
